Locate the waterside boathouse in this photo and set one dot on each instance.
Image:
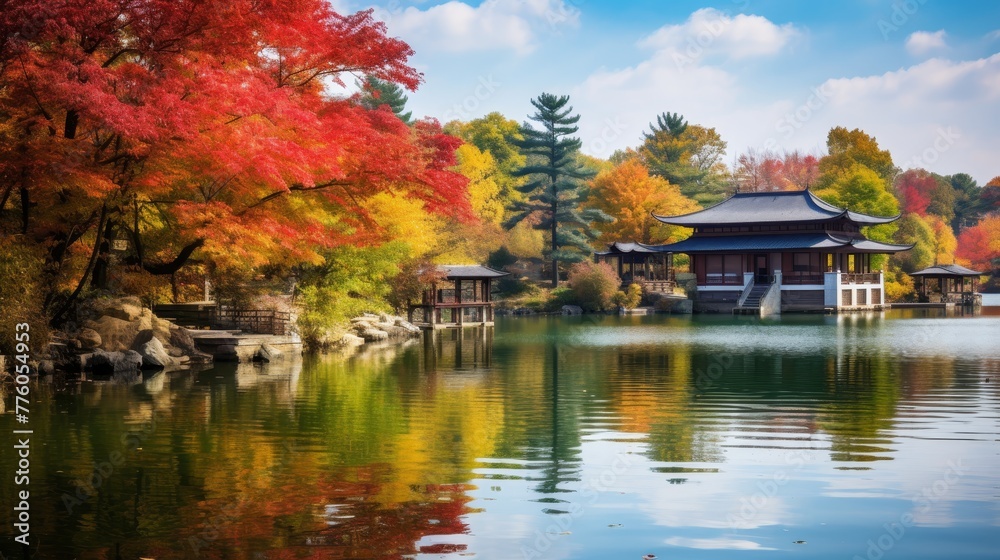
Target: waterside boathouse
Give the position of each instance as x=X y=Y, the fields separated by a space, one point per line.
x=461 y=298
x=948 y=283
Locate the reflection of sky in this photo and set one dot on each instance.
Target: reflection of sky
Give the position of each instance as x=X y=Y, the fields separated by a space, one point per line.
x=845 y=334
x=765 y=495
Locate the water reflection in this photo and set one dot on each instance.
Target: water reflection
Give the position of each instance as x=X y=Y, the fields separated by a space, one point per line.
x=546 y=438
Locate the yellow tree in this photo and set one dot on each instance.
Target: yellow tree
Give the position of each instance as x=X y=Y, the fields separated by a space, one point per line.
x=484 y=189
x=630 y=194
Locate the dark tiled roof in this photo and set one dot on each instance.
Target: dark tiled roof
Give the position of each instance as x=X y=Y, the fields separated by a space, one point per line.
x=621 y=247
x=779 y=242
x=770 y=208
x=470 y=271
x=946 y=270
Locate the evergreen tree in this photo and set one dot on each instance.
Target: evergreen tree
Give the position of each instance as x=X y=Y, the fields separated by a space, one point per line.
x=556 y=187
x=378 y=92
x=688 y=156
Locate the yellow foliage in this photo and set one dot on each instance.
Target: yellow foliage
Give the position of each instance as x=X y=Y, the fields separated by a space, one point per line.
x=405 y=219
x=484 y=190
x=630 y=194
x=525 y=242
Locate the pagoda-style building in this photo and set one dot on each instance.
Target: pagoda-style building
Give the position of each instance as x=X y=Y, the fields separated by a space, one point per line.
x=778 y=251
x=462 y=297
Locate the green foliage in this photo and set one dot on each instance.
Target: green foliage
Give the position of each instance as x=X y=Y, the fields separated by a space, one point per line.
x=689 y=156
x=915 y=230
x=593 y=285
x=378 y=92
x=496 y=135
x=351 y=281
x=556 y=186
x=846 y=148
x=629 y=298
x=860 y=189
x=967 y=206
x=20 y=293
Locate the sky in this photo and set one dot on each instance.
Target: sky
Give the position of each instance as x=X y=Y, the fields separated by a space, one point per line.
x=921 y=76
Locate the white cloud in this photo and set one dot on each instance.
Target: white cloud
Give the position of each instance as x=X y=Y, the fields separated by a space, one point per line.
x=711 y=32
x=493 y=25
x=922 y=42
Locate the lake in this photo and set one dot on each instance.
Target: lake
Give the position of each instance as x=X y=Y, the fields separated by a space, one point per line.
x=854 y=436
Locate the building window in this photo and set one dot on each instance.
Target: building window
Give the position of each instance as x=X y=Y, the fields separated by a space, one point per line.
x=876 y=296
x=846 y=298
x=851 y=263
x=829 y=262
x=800 y=262
x=862 y=297
x=723 y=269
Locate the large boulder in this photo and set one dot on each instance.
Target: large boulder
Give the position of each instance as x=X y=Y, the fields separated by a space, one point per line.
x=107 y=363
x=155 y=356
x=89 y=339
x=572 y=310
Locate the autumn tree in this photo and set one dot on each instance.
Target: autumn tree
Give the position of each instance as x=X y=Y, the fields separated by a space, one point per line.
x=498 y=136
x=378 y=92
x=967 y=208
x=845 y=148
x=202 y=130
x=979 y=245
x=630 y=195
x=556 y=188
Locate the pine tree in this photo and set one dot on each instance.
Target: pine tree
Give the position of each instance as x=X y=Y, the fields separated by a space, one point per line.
x=556 y=185
x=378 y=92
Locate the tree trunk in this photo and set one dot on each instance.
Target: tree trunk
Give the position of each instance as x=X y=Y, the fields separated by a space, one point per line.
x=555 y=244
x=86 y=273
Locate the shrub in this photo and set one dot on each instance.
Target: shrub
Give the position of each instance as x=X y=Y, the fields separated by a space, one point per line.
x=593 y=285
x=630 y=298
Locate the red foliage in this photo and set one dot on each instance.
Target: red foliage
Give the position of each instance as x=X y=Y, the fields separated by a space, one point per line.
x=212 y=116
x=980 y=245
x=915 y=187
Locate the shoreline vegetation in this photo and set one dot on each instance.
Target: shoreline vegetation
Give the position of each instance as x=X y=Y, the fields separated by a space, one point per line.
x=138 y=165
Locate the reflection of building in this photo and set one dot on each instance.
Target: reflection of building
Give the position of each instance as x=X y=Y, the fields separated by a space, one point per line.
x=462 y=298
x=948 y=283
x=780 y=251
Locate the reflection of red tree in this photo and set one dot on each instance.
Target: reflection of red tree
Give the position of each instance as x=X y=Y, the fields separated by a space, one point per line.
x=332 y=518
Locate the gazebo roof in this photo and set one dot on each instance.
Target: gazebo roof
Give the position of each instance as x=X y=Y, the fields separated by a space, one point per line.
x=946 y=270
x=467 y=271
x=772 y=208
x=621 y=247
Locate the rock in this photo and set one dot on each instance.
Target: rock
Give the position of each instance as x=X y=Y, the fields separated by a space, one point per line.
x=125 y=309
x=372 y=334
x=572 y=310
x=154 y=355
x=89 y=339
x=102 y=362
x=408 y=326
x=268 y=353
x=351 y=340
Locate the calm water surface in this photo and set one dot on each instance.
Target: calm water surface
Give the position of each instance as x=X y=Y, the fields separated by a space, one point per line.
x=869 y=436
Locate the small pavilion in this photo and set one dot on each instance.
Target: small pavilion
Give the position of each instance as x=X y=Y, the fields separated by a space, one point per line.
x=461 y=298
x=949 y=283
x=647 y=265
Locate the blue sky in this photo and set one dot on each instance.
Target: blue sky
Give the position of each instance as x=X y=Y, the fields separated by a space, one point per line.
x=922 y=76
